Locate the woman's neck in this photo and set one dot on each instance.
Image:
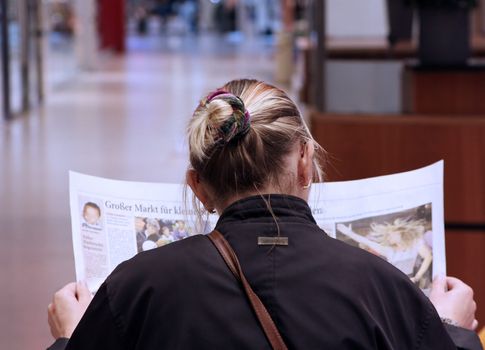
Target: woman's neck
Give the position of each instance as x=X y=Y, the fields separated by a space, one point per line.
x=267 y=190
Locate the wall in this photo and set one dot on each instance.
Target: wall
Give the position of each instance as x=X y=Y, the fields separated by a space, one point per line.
x=356 y=18
x=363 y=86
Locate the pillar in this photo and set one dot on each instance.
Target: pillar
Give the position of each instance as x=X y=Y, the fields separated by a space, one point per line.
x=111 y=25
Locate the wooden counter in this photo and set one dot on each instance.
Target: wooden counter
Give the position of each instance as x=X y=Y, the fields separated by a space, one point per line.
x=362 y=146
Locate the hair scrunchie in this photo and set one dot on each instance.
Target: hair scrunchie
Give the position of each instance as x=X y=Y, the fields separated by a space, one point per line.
x=238 y=124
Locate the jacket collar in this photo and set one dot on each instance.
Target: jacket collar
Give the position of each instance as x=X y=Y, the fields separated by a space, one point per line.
x=285 y=207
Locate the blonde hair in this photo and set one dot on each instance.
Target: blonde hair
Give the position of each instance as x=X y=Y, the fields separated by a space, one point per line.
x=253 y=156
x=410 y=231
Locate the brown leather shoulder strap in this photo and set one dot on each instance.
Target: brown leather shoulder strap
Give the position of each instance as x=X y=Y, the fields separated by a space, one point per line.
x=229 y=256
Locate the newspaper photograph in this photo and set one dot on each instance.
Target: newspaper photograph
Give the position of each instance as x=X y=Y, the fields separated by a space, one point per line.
x=397 y=217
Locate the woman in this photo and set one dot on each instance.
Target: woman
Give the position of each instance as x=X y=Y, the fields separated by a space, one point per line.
x=253 y=160
x=151 y=234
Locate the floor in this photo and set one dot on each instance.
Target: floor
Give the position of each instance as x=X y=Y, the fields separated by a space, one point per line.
x=125 y=120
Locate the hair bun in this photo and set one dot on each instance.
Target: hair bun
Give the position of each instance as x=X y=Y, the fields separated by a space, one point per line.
x=237 y=124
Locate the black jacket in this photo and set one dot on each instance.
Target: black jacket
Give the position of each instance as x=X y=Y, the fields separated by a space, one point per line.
x=321 y=293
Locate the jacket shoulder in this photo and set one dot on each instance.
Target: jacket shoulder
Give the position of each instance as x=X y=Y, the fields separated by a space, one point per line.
x=166 y=261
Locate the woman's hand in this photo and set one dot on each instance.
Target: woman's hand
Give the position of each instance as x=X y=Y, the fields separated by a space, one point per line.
x=453 y=299
x=67 y=308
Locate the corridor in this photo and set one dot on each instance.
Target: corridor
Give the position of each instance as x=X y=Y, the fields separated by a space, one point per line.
x=125 y=120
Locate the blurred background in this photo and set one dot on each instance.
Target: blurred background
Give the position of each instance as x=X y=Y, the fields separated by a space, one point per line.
x=106 y=87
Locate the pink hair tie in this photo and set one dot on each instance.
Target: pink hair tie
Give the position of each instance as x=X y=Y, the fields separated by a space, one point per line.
x=211 y=96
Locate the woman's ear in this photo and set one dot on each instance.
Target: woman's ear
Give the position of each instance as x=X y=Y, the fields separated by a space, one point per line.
x=305 y=164
x=199 y=189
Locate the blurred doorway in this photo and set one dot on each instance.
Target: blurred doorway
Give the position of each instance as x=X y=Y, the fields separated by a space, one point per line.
x=21 y=56
x=4 y=61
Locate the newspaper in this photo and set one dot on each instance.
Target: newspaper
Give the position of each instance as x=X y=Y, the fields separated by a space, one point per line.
x=397 y=217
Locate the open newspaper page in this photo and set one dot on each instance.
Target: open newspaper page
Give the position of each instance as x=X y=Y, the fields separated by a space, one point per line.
x=397 y=217
x=114 y=220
